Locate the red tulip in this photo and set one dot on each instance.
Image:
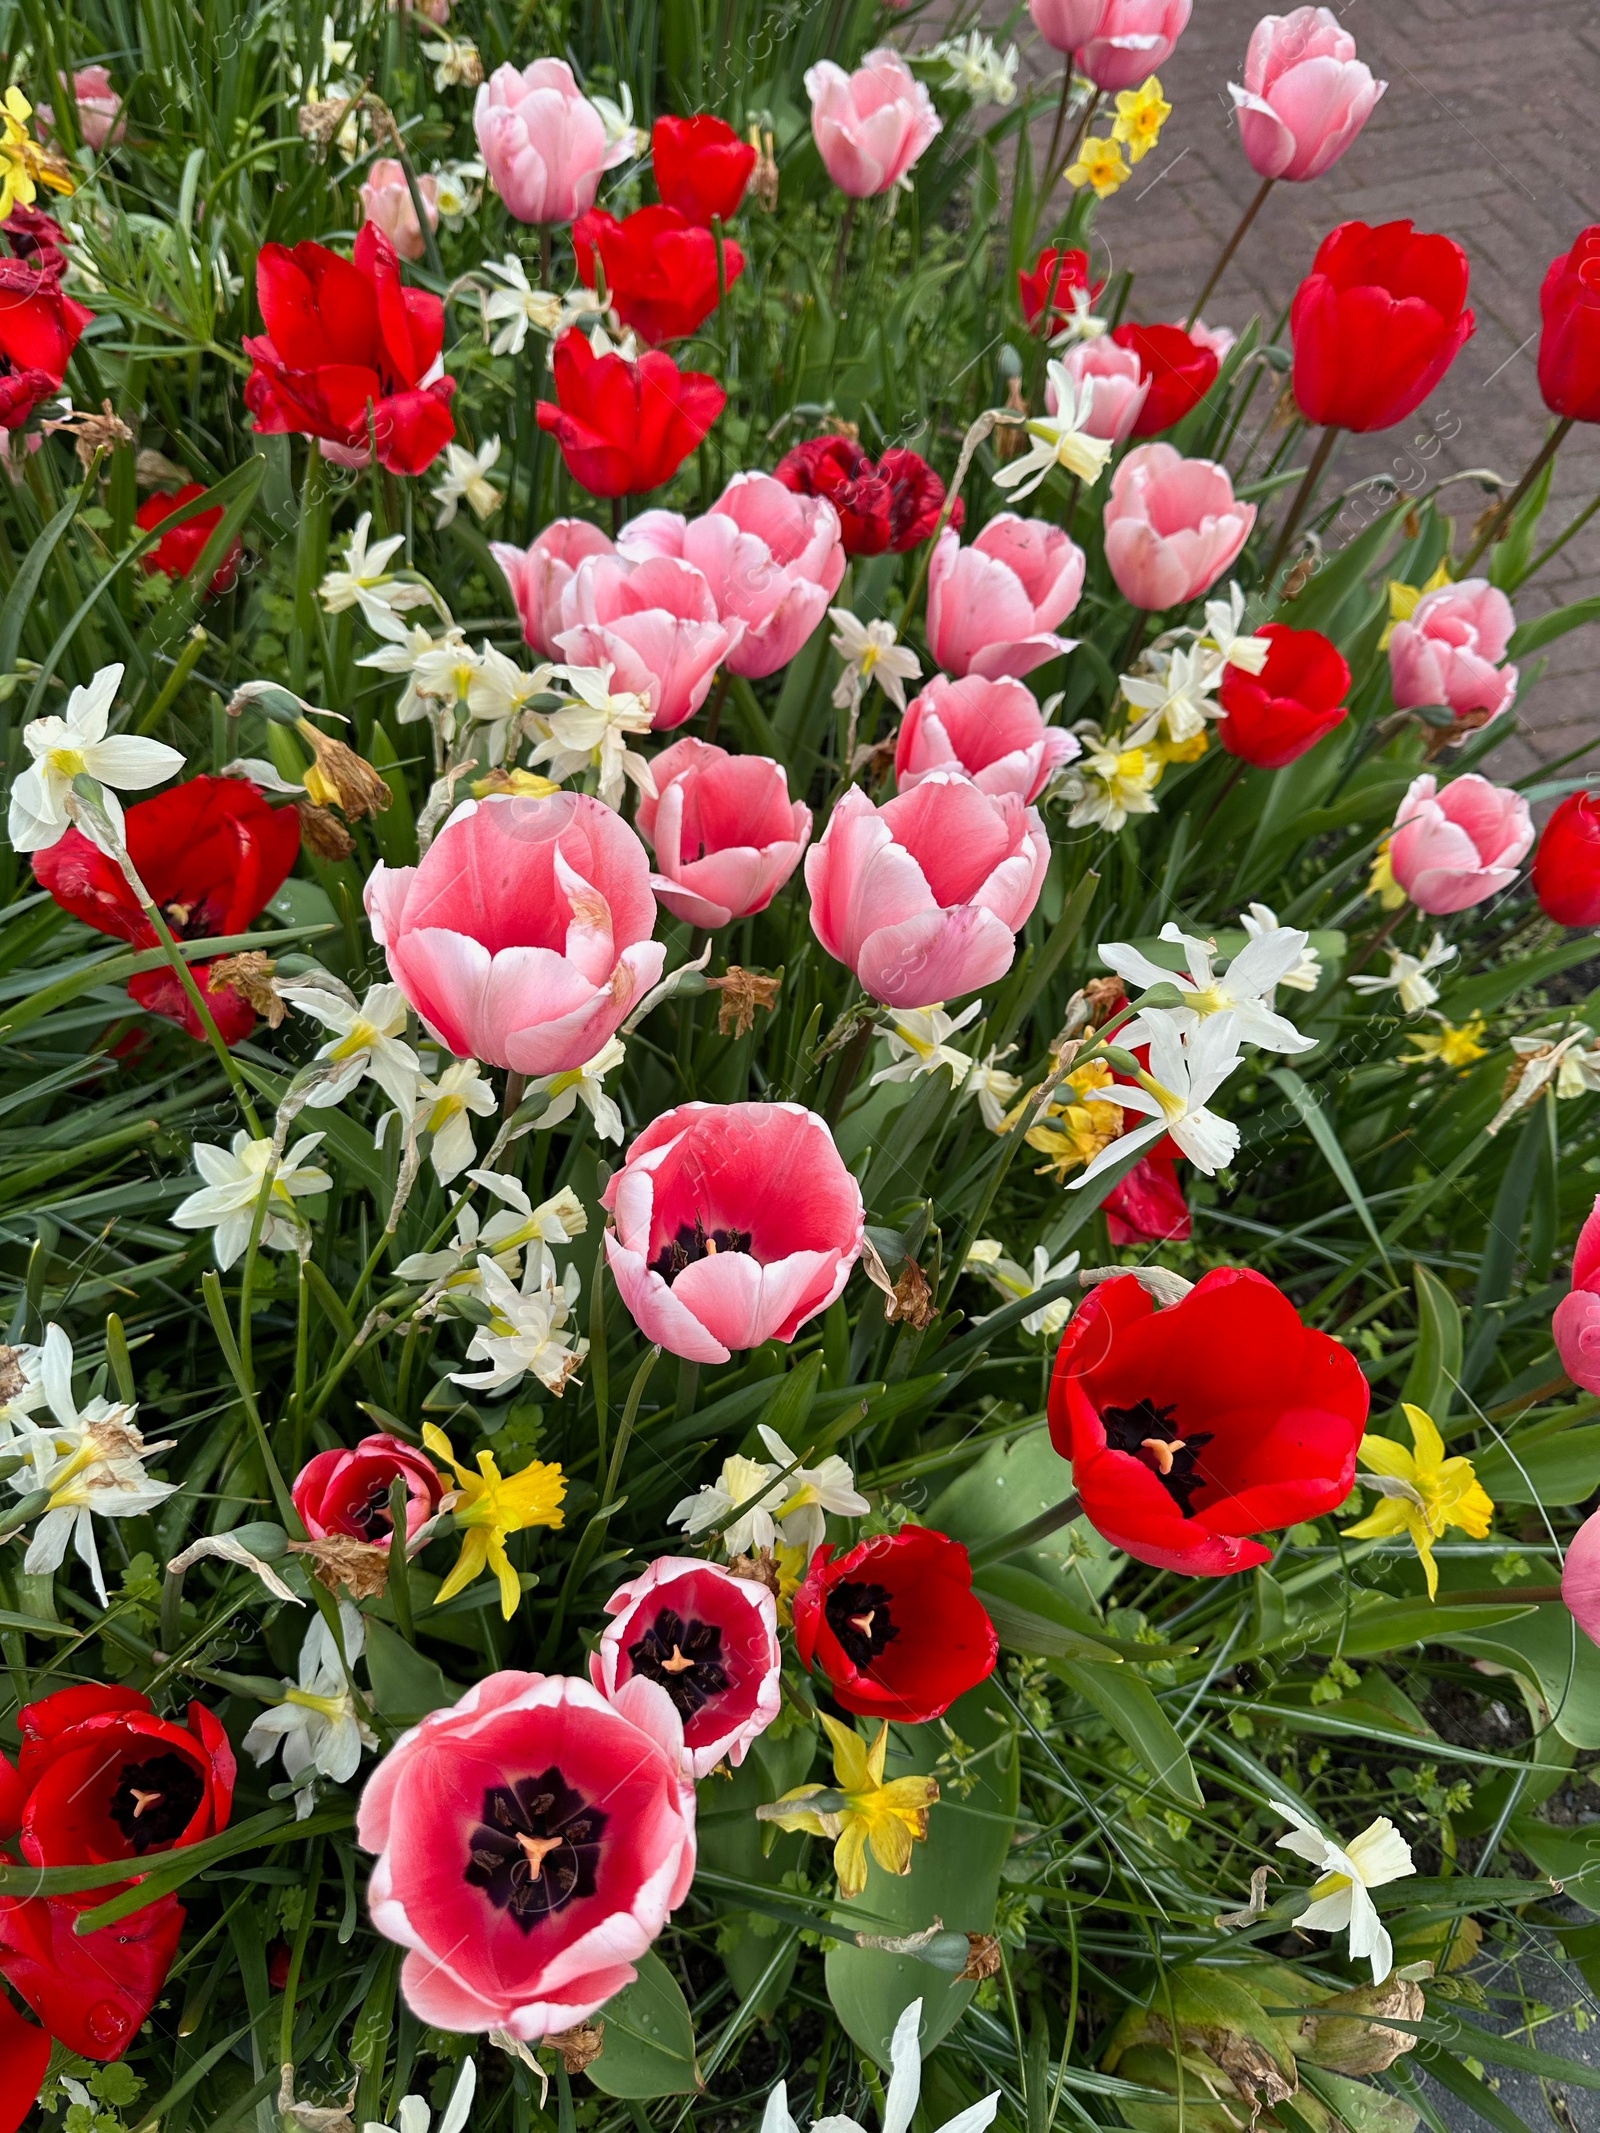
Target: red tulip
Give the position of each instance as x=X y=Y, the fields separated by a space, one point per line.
x=888 y=507
x=1575 y=1326
x=1569 y=346
x=212 y=853
x=1566 y=867
x=1063 y=272
x=702 y=167
x=37 y=237
x=348 y=1491
x=1148 y=1206
x=660 y=269
x=626 y=427
x=1272 y=717
x=39 y=328
x=894 y=1625
x=1192 y=1427
x=1181 y=372
x=177 y=552
x=350 y=355
x=1376 y=324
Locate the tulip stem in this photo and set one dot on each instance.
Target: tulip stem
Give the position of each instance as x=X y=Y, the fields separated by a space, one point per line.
x=846 y=224
x=1302 y=497
x=1502 y=518
x=1028 y=1536
x=1061 y=120
x=1228 y=251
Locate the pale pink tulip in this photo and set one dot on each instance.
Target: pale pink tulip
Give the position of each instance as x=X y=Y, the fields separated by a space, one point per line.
x=870 y=126
x=922 y=897
x=386 y=200
x=523 y=936
x=1173 y=526
x=1580 y=1575
x=772 y=559
x=1121 y=387
x=1116 y=42
x=1305 y=97
x=1454 y=847
x=993 y=607
x=1577 y=1332
x=734 y=1224
x=540 y=574
x=98 y=106
x=990 y=731
x=1449 y=652
x=654 y=624
x=543 y=142
x=726 y=834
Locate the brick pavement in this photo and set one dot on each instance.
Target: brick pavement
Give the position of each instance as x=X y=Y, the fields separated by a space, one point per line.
x=1488 y=132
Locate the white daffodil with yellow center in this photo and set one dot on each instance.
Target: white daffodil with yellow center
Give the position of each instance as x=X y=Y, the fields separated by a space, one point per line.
x=77 y=745
x=226 y=1202
x=446 y=1107
x=1408 y=975
x=368 y=1042
x=591 y=731
x=905 y=2052
x=1243 y=990
x=517 y=307
x=1227 y=638
x=871 y=653
x=1340 y=1901
x=585 y=1085
x=809 y=1493
x=464 y=479
x=366 y=581
x=988 y=1259
x=1258 y=920
x=1058 y=440
x=1177 y=693
x=1186 y=1069
x=527 y=1329
x=1110 y=781
x=319 y=1723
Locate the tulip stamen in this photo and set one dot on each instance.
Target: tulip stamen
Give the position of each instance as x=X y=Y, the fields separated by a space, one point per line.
x=677 y=1664
x=536 y=1847
x=1146 y=1433
x=143 y=1802
x=859 y=1616
x=685 y=1657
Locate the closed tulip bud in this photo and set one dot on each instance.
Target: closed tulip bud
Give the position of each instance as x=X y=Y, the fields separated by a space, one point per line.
x=1566 y=867
x=1376 y=324
x=1569 y=345
x=1305 y=97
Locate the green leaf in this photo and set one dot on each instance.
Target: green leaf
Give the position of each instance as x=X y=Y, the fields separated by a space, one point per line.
x=117 y=967
x=406 y=1686
x=1545 y=629
x=1475 y=2094
x=649 y=2038
x=1129 y=1705
x=1013 y=1481
x=1557 y=1469
x=25 y=585
x=1548 y=1646
x=1031 y=1616
x=1436 y=1367
x=1392 y=1625
x=1311 y=1106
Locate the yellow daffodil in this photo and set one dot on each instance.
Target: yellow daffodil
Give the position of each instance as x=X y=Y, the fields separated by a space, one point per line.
x=859 y=1812
x=1141 y=114
x=1100 y=164
x=1074 y=1133
x=24 y=165
x=1421 y=1492
x=1403 y=600
x=1381 y=882
x=1189 y=751
x=491 y=1506
x=1448 y=1045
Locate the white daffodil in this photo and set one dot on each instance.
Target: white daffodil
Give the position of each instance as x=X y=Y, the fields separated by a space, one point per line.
x=457 y=62
x=22 y=1390
x=500 y=692
x=1567 y=1061
x=987 y=1258
x=429 y=665
x=916 y=1038
x=1305 y=975
x=78 y=746
x=445 y=1111
x=503 y=1237
x=527 y=1330
x=413 y=2116
x=1226 y=634
x=1081 y=324
x=591 y=731
x=465 y=478
x=1340 y=1901
x=458 y=191
x=366 y=581
x=585 y=1085
x=1243 y=990
x=319 y=1724
x=742 y=1486
x=624 y=140
x=1177 y=693
x=808 y=1493
x=1058 y=440
x=976 y=67
x=226 y=1202
x=1185 y=1072
x=870 y=653
x=1109 y=782
x=368 y=1043
x=992 y=1088
x=900 y=2099
x=1408 y=975
x=517 y=307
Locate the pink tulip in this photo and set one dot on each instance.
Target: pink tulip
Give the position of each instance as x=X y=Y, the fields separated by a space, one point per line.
x=1121 y=387
x=772 y=559
x=990 y=731
x=1577 y=1330
x=734 y=1224
x=922 y=897
x=543 y=142
x=726 y=1628
x=540 y=575
x=993 y=607
x=1306 y=95
x=528 y=1937
x=1172 y=526
x=872 y=125
x=1449 y=652
x=386 y=200
x=1116 y=42
x=725 y=832
x=654 y=624
x=1451 y=849
x=1580 y=1578
x=1219 y=339
x=100 y=117
x=523 y=937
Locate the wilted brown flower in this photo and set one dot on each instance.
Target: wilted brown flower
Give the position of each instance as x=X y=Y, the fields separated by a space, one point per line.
x=12 y=1379
x=743 y=991
x=764 y=178
x=250 y=974
x=1010 y=440
x=322 y=834
x=579 y=2047
x=760 y=1569
x=338 y=777
x=984 y=1961
x=911 y=1300
x=340 y=1559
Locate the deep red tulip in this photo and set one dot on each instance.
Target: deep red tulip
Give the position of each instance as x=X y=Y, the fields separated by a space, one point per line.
x=1181 y=372
x=37 y=237
x=350 y=355
x=212 y=853
x=1194 y=1426
x=702 y=167
x=894 y=1625
x=1148 y=1206
x=1566 y=867
x=1376 y=324
x=177 y=552
x=626 y=427
x=660 y=269
x=1569 y=346
x=1272 y=717
x=888 y=507
x=39 y=328
x=348 y=1491
x=1062 y=272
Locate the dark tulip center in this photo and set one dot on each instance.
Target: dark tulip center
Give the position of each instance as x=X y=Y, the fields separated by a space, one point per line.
x=154 y=1802
x=685 y=1657
x=694 y=1241
x=858 y=1614
x=536 y=1848
x=1148 y=1433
